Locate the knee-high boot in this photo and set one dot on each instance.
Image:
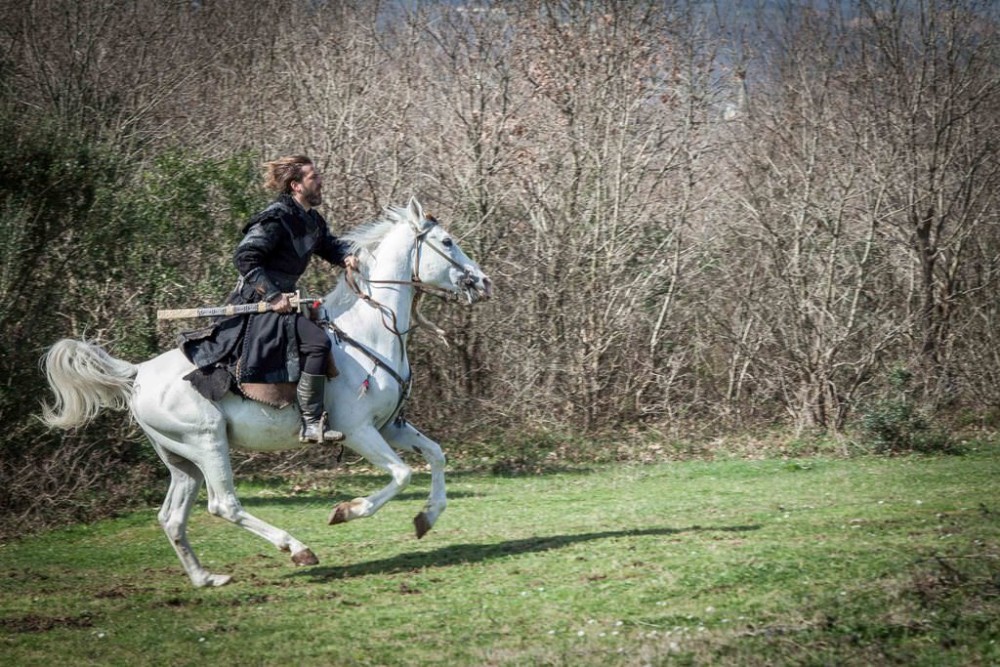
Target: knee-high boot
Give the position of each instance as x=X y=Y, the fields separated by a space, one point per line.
x=310 y=392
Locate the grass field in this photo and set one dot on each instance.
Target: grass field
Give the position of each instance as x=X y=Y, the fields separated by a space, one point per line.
x=807 y=561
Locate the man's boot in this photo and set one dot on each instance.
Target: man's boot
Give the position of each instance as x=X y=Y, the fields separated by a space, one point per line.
x=310 y=392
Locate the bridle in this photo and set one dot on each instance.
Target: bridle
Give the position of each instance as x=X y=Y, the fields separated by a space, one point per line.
x=419 y=241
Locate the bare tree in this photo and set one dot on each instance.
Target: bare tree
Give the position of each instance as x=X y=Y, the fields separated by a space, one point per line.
x=692 y=218
x=931 y=91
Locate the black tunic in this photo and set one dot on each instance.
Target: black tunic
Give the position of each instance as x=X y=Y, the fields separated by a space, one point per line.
x=275 y=251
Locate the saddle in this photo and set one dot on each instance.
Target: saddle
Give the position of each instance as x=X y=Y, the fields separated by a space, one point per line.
x=214 y=382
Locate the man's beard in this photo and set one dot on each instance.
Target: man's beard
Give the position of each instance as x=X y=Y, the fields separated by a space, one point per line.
x=314 y=198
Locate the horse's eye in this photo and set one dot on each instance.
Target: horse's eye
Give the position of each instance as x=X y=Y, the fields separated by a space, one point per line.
x=447 y=242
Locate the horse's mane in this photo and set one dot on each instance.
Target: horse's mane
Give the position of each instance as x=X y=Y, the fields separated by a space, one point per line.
x=363 y=240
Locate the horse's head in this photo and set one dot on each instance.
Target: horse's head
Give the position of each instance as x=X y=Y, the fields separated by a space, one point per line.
x=439 y=261
x=414 y=250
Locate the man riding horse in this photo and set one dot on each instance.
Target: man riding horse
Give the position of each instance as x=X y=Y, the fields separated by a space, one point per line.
x=282 y=344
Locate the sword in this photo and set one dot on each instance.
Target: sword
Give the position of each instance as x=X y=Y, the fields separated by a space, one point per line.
x=297 y=301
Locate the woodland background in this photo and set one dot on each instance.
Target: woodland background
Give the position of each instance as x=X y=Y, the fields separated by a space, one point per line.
x=702 y=219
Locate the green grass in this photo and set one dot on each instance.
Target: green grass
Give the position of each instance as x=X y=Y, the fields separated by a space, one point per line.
x=806 y=561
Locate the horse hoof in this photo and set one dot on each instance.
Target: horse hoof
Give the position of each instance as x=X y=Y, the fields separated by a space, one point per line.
x=422 y=524
x=213 y=580
x=305 y=557
x=338 y=515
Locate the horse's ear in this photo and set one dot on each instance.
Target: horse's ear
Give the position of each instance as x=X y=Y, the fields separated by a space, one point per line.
x=416 y=210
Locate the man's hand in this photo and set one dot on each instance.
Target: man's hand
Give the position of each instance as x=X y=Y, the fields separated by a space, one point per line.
x=281 y=304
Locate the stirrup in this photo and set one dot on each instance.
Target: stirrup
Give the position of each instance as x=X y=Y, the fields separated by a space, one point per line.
x=317 y=432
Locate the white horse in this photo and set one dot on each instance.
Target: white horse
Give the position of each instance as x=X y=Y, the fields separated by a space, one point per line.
x=403 y=255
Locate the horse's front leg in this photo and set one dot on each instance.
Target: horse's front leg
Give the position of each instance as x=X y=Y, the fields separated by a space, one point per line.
x=368 y=443
x=402 y=435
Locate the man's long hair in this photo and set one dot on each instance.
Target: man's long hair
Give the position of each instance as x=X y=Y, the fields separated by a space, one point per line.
x=281 y=173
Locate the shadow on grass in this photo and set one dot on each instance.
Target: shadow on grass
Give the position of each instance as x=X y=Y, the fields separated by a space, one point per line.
x=460 y=554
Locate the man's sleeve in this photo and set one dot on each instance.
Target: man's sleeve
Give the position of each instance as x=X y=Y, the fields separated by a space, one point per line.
x=259 y=242
x=331 y=248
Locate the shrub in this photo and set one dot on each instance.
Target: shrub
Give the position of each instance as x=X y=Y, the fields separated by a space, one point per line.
x=897 y=424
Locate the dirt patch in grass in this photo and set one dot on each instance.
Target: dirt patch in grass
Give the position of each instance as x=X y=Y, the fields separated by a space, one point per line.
x=36 y=623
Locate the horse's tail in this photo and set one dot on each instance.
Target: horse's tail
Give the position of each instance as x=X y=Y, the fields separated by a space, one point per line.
x=84 y=379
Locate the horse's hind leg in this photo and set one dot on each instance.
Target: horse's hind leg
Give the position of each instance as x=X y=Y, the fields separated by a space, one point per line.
x=185 y=481
x=190 y=434
x=222 y=502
